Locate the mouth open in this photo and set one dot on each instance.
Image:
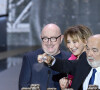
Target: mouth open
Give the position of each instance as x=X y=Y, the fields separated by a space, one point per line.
x=74 y=50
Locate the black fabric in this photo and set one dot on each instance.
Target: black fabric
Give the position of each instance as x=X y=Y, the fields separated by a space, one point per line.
x=78 y=68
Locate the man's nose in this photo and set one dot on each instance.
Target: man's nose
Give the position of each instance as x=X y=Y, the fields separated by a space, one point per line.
x=90 y=53
x=49 y=41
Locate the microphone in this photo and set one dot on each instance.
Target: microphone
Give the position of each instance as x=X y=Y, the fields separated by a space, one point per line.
x=49 y=72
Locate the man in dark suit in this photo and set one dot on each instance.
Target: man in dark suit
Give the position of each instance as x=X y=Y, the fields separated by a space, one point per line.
x=34 y=73
x=81 y=69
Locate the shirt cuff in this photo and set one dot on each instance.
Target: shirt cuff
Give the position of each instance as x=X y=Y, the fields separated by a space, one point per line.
x=53 y=62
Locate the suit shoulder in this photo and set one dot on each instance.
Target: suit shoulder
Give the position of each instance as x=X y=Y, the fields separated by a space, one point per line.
x=65 y=54
x=32 y=53
x=83 y=55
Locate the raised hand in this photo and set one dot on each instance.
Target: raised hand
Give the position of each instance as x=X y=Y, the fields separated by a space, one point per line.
x=45 y=58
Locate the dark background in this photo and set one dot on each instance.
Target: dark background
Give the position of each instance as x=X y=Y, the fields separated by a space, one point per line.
x=64 y=13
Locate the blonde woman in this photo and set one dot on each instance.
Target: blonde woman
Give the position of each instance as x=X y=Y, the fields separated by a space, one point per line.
x=75 y=39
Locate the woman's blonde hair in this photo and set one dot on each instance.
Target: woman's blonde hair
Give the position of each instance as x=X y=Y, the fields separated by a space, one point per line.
x=76 y=32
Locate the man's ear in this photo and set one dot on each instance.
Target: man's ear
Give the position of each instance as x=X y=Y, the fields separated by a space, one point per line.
x=41 y=38
x=62 y=37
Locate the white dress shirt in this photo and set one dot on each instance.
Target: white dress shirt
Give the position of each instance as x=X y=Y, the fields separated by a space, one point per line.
x=96 y=81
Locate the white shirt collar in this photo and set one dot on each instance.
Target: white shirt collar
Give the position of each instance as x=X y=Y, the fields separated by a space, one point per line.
x=98 y=69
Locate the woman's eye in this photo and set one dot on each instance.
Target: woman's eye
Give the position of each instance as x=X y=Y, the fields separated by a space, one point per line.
x=68 y=42
x=74 y=42
x=95 y=50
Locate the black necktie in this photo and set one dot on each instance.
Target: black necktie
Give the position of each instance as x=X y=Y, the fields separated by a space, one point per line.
x=92 y=77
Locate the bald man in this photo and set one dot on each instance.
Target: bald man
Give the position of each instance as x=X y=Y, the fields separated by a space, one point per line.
x=34 y=73
x=86 y=70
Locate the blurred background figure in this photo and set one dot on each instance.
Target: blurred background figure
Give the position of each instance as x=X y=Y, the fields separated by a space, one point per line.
x=21 y=22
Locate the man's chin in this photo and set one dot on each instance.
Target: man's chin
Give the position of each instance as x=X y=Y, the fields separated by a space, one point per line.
x=94 y=64
x=50 y=53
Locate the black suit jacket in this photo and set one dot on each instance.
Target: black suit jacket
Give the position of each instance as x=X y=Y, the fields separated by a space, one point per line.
x=78 y=68
x=33 y=72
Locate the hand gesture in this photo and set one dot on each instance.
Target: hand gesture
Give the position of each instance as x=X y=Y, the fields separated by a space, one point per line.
x=45 y=58
x=63 y=83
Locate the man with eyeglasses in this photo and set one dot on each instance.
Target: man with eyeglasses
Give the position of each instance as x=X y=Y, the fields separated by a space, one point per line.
x=33 y=72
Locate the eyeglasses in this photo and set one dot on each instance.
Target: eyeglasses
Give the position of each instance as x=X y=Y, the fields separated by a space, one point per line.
x=52 y=39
